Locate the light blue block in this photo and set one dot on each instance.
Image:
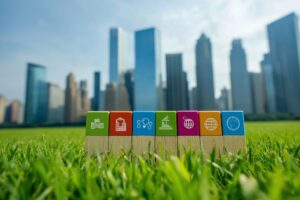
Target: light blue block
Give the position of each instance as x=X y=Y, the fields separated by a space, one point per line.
x=143 y=123
x=233 y=123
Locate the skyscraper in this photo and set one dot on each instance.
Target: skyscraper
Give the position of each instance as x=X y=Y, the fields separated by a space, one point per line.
x=240 y=83
x=116 y=54
x=268 y=80
x=186 y=99
x=97 y=91
x=110 y=97
x=224 y=101
x=84 y=98
x=204 y=74
x=148 y=94
x=258 y=92
x=3 y=105
x=284 y=44
x=14 y=112
x=129 y=85
x=36 y=94
x=55 y=106
x=175 y=82
x=72 y=100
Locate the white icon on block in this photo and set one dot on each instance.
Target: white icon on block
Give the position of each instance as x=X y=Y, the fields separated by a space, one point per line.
x=211 y=124
x=188 y=123
x=120 y=124
x=233 y=123
x=144 y=123
x=96 y=124
x=165 y=124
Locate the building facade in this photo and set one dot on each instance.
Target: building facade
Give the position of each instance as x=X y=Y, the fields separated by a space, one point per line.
x=72 y=109
x=56 y=99
x=148 y=89
x=268 y=84
x=240 y=83
x=258 y=92
x=96 y=103
x=176 y=94
x=204 y=74
x=36 y=94
x=284 y=44
x=116 y=54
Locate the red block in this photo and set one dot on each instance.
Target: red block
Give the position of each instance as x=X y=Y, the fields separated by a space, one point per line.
x=120 y=123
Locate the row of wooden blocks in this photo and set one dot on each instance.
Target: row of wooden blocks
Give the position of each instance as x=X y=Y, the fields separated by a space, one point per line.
x=164 y=146
x=164 y=131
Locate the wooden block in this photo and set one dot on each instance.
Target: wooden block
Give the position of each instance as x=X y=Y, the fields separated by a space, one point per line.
x=142 y=145
x=234 y=143
x=97 y=132
x=210 y=123
x=119 y=144
x=233 y=131
x=166 y=146
x=96 y=145
x=208 y=143
x=188 y=143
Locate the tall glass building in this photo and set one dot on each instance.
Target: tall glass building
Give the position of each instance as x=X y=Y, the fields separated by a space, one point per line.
x=204 y=74
x=116 y=54
x=147 y=70
x=240 y=82
x=97 y=91
x=284 y=44
x=36 y=95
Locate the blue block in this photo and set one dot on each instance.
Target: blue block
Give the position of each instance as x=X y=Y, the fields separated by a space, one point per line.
x=233 y=122
x=143 y=123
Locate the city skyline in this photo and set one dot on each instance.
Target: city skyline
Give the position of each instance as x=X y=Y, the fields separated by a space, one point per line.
x=87 y=53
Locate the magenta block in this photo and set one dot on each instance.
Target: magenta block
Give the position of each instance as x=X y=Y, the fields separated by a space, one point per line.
x=188 y=123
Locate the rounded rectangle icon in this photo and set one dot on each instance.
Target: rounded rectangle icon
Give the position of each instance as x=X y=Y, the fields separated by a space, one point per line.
x=166 y=123
x=188 y=123
x=143 y=123
x=120 y=123
x=210 y=123
x=233 y=122
x=97 y=123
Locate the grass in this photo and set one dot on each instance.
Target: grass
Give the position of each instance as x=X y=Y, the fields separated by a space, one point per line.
x=50 y=163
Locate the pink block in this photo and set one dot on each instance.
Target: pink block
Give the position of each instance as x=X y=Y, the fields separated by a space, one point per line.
x=188 y=123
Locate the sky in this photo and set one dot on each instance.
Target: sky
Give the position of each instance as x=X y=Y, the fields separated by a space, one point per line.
x=72 y=36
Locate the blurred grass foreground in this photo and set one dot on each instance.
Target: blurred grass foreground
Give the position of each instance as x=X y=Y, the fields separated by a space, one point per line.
x=50 y=163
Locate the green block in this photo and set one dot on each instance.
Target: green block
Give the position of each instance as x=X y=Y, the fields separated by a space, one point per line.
x=166 y=124
x=97 y=123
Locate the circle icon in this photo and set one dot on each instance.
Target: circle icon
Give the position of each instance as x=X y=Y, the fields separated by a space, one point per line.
x=211 y=124
x=188 y=123
x=233 y=123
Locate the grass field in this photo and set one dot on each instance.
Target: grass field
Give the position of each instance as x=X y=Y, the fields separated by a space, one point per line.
x=50 y=163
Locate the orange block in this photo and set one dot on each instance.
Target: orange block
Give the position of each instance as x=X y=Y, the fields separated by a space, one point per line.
x=120 y=123
x=210 y=123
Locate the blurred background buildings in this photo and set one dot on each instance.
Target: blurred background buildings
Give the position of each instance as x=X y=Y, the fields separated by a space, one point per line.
x=276 y=89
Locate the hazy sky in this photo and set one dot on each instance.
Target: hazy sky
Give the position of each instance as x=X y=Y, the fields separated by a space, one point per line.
x=72 y=36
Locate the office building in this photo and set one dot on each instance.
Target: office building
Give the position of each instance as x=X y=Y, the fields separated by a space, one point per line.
x=96 y=102
x=84 y=98
x=72 y=109
x=116 y=54
x=36 y=94
x=258 y=92
x=224 y=101
x=204 y=74
x=148 y=89
x=129 y=85
x=240 y=83
x=3 y=105
x=284 y=44
x=14 y=112
x=56 y=99
x=268 y=82
x=110 y=97
x=176 y=83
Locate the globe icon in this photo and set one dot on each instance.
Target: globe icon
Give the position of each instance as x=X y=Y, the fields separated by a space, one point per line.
x=233 y=123
x=211 y=124
x=188 y=123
